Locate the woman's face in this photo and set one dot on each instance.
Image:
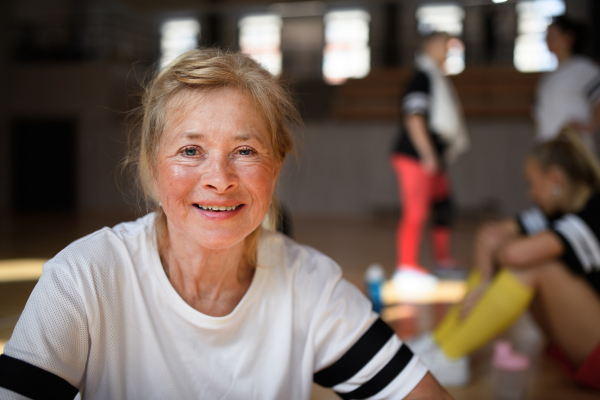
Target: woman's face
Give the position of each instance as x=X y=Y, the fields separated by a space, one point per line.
x=559 y=42
x=216 y=169
x=545 y=188
x=437 y=48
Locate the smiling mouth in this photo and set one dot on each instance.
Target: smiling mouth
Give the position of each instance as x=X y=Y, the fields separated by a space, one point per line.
x=217 y=208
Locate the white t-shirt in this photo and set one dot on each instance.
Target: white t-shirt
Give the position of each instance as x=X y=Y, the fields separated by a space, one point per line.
x=104 y=320
x=566 y=95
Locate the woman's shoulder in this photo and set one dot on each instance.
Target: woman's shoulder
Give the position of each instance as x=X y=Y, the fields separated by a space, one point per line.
x=582 y=66
x=278 y=250
x=106 y=245
x=419 y=82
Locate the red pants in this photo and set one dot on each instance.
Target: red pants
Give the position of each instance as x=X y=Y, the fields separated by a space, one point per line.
x=421 y=192
x=588 y=374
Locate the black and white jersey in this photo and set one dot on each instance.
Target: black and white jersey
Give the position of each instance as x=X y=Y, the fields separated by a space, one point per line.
x=104 y=321
x=580 y=233
x=417 y=100
x=533 y=221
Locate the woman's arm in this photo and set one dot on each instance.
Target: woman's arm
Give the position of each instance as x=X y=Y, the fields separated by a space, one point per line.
x=416 y=125
x=529 y=251
x=428 y=389
x=489 y=240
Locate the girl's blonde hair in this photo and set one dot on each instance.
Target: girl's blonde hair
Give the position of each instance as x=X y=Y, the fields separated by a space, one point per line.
x=569 y=153
x=201 y=71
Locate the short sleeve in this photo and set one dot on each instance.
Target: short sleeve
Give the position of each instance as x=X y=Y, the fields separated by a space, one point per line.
x=592 y=89
x=417 y=99
x=532 y=221
x=48 y=350
x=580 y=240
x=356 y=353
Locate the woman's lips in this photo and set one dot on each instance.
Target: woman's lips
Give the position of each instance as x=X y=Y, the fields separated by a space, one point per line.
x=218 y=212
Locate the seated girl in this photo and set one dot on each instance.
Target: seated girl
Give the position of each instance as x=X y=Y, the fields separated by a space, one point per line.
x=546 y=260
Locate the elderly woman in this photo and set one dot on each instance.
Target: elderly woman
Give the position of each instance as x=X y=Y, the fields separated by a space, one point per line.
x=195 y=300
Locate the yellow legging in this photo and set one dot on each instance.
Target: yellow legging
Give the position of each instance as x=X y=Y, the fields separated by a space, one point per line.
x=498 y=308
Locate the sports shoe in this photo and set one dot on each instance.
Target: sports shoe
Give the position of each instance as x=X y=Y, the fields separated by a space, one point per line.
x=447 y=372
x=422 y=344
x=412 y=282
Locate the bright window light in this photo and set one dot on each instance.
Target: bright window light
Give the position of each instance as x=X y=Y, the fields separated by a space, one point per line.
x=531 y=51
x=176 y=37
x=445 y=18
x=346 y=53
x=260 y=37
x=440 y=18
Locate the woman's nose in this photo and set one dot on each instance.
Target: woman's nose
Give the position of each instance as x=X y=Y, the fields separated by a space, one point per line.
x=218 y=175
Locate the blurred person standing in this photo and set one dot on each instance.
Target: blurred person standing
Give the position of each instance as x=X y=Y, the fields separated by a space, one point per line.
x=433 y=133
x=570 y=95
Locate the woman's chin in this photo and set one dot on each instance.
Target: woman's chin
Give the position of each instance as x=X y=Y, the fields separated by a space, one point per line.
x=221 y=240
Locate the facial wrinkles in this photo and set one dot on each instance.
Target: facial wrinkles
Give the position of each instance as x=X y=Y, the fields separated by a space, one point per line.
x=218 y=139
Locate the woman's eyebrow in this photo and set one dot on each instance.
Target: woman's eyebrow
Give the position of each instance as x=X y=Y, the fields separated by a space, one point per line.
x=247 y=136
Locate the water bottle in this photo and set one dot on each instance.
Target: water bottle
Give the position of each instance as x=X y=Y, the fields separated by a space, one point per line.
x=374 y=279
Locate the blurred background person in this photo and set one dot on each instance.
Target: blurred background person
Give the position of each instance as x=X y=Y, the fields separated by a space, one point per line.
x=548 y=262
x=433 y=133
x=570 y=95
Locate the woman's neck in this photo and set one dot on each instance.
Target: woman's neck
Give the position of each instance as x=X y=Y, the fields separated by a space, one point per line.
x=211 y=281
x=562 y=57
x=578 y=198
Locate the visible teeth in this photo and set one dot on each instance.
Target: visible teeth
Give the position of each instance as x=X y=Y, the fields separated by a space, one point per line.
x=218 y=208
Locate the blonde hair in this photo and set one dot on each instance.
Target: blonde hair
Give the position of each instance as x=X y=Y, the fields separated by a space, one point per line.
x=572 y=156
x=204 y=70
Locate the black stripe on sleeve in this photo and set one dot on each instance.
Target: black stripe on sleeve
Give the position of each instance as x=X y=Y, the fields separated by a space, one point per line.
x=569 y=257
x=357 y=357
x=383 y=377
x=33 y=382
x=592 y=92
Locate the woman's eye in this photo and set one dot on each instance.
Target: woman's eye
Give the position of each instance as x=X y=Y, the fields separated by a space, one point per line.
x=246 y=152
x=190 y=151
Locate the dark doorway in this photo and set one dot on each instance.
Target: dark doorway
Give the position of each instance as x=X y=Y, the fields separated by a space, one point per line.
x=43 y=165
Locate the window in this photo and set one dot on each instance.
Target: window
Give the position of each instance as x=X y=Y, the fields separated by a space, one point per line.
x=346 y=53
x=176 y=37
x=440 y=18
x=260 y=37
x=445 y=18
x=533 y=17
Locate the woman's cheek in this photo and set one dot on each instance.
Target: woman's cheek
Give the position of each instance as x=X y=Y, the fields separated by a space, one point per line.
x=181 y=176
x=260 y=179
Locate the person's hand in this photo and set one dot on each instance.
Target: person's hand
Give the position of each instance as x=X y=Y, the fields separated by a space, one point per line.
x=472 y=298
x=430 y=164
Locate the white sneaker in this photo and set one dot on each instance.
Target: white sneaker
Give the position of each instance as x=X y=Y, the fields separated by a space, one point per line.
x=422 y=344
x=447 y=372
x=414 y=283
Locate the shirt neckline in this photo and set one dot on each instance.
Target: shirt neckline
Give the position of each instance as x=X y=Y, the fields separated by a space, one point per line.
x=181 y=306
